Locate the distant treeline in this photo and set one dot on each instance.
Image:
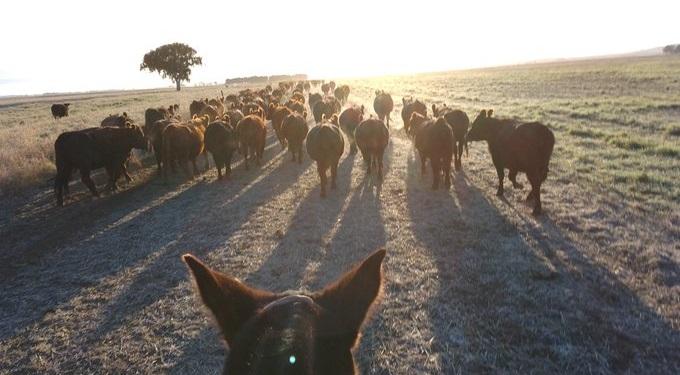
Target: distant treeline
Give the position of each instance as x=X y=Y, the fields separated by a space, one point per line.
x=265 y=79
x=672 y=49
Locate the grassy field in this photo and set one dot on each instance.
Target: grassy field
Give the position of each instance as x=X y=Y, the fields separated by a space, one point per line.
x=475 y=283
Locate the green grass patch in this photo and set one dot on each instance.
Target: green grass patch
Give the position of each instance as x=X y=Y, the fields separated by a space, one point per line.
x=625 y=142
x=586 y=133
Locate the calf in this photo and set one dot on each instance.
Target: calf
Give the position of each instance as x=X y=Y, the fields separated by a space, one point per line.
x=325 y=145
x=60 y=110
x=434 y=141
x=372 y=137
x=183 y=143
x=410 y=106
x=383 y=105
x=459 y=122
x=252 y=134
x=350 y=118
x=90 y=149
x=294 y=129
x=278 y=114
x=296 y=106
x=221 y=141
x=516 y=146
x=290 y=333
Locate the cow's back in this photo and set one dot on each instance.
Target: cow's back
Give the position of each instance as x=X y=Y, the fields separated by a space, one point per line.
x=325 y=143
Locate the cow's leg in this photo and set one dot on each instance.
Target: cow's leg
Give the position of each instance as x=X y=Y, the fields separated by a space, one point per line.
x=207 y=162
x=185 y=167
x=501 y=175
x=423 y=161
x=193 y=164
x=446 y=166
x=321 y=168
x=536 y=191
x=85 y=178
x=299 y=154
x=245 y=157
x=435 y=163
x=380 y=165
x=513 y=178
x=334 y=174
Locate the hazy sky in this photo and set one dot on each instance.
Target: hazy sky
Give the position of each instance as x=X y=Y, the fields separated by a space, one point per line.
x=58 y=46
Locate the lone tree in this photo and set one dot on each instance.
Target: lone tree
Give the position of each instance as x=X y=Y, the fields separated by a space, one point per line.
x=172 y=60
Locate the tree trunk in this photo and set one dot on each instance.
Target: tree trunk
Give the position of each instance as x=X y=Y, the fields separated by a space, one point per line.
x=178 y=84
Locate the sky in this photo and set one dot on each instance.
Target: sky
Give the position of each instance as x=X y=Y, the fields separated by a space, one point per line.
x=64 y=46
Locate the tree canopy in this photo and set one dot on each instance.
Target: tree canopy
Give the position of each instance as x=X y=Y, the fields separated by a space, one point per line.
x=672 y=49
x=172 y=61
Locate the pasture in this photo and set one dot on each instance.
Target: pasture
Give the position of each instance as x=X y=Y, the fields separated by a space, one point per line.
x=474 y=282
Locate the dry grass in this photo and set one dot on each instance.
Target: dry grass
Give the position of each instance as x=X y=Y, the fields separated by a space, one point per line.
x=475 y=283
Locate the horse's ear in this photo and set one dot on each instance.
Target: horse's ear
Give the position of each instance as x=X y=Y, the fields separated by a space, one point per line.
x=231 y=302
x=350 y=298
x=489 y=113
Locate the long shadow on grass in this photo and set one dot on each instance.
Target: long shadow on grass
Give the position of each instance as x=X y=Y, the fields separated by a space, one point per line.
x=514 y=300
x=131 y=234
x=304 y=242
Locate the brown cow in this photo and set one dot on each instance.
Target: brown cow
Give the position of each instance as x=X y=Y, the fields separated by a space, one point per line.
x=117 y=121
x=342 y=93
x=459 y=122
x=197 y=106
x=321 y=109
x=151 y=115
x=210 y=111
x=383 y=106
x=325 y=145
x=350 y=118
x=516 y=146
x=417 y=122
x=434 y=141
x=294 y=129
x=183 y=143
x=299 y=96
x=290 y=333
x=296 y=106
x=235 y=116
x=278 y=114
x=59 y=110
x=325 y=88
x=313 y=99
x=372 y=137
x=221 y=141
x=252 y=135
x=253 y=108
x=155 y=135
x=410 y=106
x=94 y=148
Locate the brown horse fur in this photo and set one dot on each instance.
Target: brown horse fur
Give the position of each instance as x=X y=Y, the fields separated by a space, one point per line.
x=434 y=141
x=383 y=106
x=516 y=146
x=294 y=130
x=252 y=135
x=296 y=333
x=349 y=119
x=325 y=145
x=94 y=148
x=372 y=137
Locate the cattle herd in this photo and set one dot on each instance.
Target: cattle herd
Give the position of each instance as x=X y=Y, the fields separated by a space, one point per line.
x=320 y=329
x=238 y=123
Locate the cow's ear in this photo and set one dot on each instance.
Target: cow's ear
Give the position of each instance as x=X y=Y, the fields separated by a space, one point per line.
x=349 y=299
x=489 y=113
x=231 y=302
x=377 y=92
